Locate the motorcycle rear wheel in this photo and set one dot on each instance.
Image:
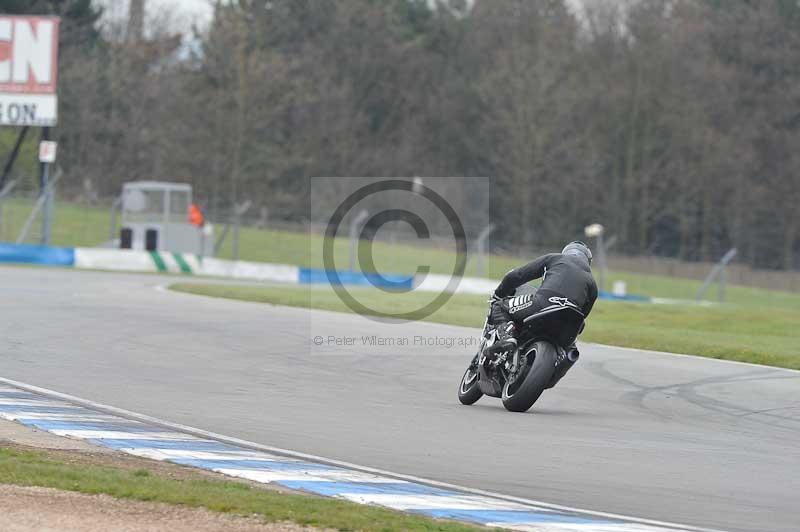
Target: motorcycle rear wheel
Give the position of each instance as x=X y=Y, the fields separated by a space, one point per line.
x=541 y=364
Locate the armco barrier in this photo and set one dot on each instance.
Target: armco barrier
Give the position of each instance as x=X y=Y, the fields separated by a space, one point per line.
x=164 y=262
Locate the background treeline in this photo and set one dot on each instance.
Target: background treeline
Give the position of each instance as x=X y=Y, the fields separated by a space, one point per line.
x=676 y=123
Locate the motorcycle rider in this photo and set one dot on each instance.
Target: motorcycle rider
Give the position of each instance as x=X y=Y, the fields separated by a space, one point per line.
x=567 y=281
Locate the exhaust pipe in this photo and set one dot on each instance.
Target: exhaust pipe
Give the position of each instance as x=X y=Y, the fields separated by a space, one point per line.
x=572 y=356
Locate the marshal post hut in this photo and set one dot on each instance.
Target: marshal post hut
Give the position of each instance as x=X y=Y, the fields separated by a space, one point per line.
x=156 y=217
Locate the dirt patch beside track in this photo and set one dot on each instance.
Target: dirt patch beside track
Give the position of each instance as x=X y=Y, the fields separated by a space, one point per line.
x=44 y=510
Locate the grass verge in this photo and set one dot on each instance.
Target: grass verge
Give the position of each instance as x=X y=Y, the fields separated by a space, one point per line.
x=32 y=468
x=732 y=332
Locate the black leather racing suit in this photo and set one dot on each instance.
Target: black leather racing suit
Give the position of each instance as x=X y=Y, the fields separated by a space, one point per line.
x=565 y=276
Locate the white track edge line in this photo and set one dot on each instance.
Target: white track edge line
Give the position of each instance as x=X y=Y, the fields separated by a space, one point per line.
x=320 y=459
x=689 y=355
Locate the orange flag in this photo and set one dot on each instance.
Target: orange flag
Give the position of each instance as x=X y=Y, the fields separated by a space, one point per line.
x=196 y=215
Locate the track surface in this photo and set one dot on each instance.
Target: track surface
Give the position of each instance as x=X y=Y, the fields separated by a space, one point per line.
x=679 y=439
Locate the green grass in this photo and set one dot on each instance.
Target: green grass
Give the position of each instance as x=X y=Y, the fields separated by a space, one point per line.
x=74 y=225
x=677 y=288
x=25 y=468
x=732 y=332
x=306 y=250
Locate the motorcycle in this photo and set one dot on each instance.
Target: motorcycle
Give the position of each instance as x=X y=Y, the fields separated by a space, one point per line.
x=545 y=353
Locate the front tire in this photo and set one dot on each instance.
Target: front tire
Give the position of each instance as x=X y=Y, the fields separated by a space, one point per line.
x=468 y=390
x=540 y=365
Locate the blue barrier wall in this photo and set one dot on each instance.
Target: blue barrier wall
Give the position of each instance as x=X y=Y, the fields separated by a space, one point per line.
x=628 y=297
x=391 y=281
x=30 y=254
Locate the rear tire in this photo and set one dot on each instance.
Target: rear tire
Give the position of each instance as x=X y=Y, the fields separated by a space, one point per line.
x=468 y=389
x=520 y=397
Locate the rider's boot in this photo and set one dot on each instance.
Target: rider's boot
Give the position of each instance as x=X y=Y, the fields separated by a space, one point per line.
x=506 y=339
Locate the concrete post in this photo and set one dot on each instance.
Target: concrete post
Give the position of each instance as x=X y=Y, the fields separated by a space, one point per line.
x=480 y=243
x=355 y=225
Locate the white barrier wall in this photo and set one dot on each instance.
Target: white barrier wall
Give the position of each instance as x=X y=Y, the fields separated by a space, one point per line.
x=143 y=261
x=114 y=259
x=257 y=271
x=467 y=285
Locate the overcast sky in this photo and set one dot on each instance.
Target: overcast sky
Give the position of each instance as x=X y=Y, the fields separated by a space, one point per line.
x=195 y=8
x=190 y=11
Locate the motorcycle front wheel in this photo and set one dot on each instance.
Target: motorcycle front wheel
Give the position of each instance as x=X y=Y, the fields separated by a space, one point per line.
x=540 y=364
x=468 y=390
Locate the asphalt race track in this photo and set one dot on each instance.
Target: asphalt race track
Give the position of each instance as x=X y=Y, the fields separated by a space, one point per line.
x=679 y=439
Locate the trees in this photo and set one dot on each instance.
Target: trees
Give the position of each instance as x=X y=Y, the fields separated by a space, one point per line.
x=675 y=123
x=758 y=44
x=527 y=88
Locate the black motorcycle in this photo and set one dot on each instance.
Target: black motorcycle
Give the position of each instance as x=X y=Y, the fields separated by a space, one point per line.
x=544 y=354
